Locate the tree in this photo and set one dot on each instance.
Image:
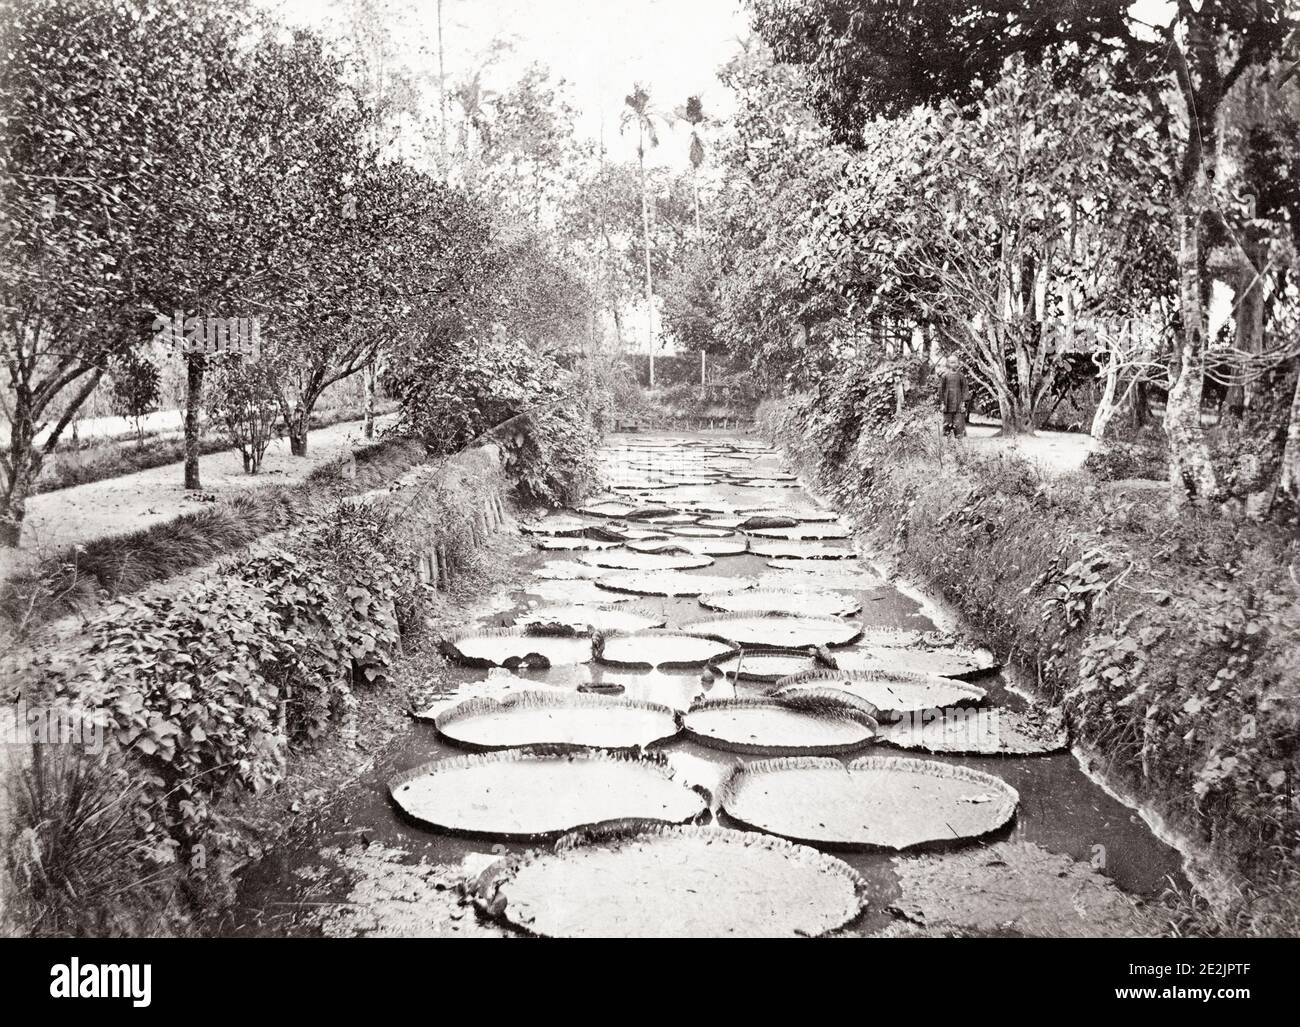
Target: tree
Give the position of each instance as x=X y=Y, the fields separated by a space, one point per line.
x=872 y=57
x=135 y=388
x=108 y=163
x=638 y=113
x=693 y=113
x=1003 y=224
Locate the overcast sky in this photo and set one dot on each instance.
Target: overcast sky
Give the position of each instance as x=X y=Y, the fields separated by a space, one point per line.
x=600 y=47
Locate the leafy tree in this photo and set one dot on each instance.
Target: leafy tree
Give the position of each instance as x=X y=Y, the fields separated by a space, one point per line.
x=873 y=57
x=135 y=388
x=111 y=159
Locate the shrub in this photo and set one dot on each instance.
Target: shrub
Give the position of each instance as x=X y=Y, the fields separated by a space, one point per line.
x=1115 y=461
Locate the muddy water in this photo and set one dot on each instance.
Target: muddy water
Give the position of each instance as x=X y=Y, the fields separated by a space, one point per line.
x=309 y=888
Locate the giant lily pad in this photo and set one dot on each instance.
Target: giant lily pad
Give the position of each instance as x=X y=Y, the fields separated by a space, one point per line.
x=558 y=526
x=557 y=718
x=877 y=802
x=837 y=574
x=981 y=731
x=589 y=618
x=512 y=647
x=575 y=543
x=789 y=601
x=663 y=649
x=698 y=531
x=815 y=726
x=779 y=630
x=565 y=570
x=528 y=794
x=803 y=532
x=800 y=514
x=768 y=666
x=893 y=693
x=673 y=882
x=575 y=593
x=635 y=560
x=945 y=662
x=802 y=551
x=698 y=546
x=666 y=583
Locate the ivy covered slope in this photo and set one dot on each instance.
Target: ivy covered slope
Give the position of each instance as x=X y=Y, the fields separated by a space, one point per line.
x=1173 y=643
x=202 y=687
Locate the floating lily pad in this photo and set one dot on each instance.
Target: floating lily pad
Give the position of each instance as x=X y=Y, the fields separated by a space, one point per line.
x=790 y=601
x=565 y=570
x=532 y=794
x=945 y=662
x=635 y=560
x=575 y=593
x=575 y=543
x=877 y=802
x=765 y=483
x=802 y=551
x=608 y=508
x=803 y=532
x=557 y=718
x=799 y=514
x=559 y=526
x=698 y=546
x=697 y=531
x=775 y=726
x=666 y=583
x=981 y=731
x=768 y=666
x=589 y=618
x=661 y=649
x=673 y=882
x=637 y=534
x=779 y=630
x=893 y=693
x=828 y=575
x=667 y=520
x=513 y=647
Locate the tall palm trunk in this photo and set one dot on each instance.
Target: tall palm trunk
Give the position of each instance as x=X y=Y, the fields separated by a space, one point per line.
x=645 y=232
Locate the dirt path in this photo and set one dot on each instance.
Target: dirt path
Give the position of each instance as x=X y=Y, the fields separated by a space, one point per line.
x=56 y=520
x=1053 y=452
x=361 y=869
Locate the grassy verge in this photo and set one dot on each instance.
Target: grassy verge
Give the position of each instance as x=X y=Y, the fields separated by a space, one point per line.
x=1173 y=643
x=121 y=564
x=113 y=458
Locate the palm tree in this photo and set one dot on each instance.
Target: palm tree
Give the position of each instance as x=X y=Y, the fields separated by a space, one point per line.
x=694 y=114
x=637 y=111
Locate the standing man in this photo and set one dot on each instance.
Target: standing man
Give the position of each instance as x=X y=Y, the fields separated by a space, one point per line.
x=954 y=397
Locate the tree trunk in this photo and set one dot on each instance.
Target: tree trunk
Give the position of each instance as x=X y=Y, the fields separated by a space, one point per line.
x=194 y=365
x=1191 y=471
x=1250 y=312
x=369 y=375
x=649 y=295
x=1289 y=480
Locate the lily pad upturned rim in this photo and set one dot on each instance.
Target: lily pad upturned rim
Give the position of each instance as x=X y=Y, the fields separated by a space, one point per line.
x=497 y=875
x=535 y=699
x=812 y=679
x=618 y=581
x=598 y=649
x=448 y=645
x=730 y=786
x=849 y=605
x=778 y=615
x=655 y=760
x=829 y=707
x=811 y=653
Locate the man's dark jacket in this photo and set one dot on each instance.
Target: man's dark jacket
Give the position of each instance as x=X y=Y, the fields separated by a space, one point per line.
x=953 y=392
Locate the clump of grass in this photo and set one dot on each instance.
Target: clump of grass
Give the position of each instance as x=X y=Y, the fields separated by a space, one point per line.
x=78 y=865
